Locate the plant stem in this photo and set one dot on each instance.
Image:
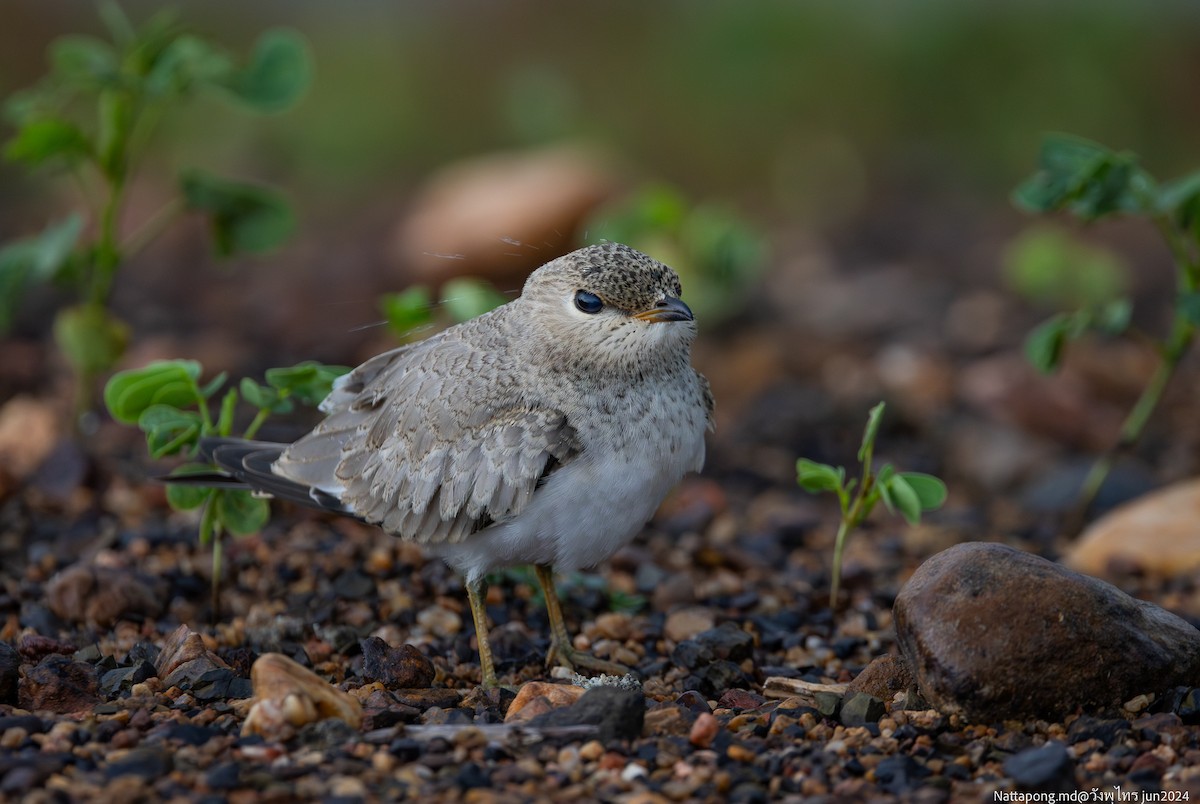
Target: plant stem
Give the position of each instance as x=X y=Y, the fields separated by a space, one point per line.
x=850 y=519
x=256 y=422
x=216 y=577
x=838 y=544
x=149 y=231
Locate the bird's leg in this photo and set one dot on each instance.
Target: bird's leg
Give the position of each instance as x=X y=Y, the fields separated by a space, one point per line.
x=561 y=650
x=487 y=668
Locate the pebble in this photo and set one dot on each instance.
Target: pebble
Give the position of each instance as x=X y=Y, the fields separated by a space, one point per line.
x=688 y=622
x=100 y=595
x=1046 y=768
x=10 y=674
x=288 y=696
x=439 y=621
x=618 y=714
x=1155 y=534
x=704 y=731
x=979 y=623
x=404 y=667
x=57 y=684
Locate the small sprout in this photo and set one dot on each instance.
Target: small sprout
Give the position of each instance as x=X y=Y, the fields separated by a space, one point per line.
x=90 y=118
x=413 y=310
x=1089 y=181
x=167 y=402
x=906 y=493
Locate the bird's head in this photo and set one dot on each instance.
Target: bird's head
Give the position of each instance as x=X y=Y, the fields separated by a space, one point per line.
x=613 y=303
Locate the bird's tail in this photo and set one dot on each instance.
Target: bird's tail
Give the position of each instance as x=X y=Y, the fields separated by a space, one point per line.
x=246 y=465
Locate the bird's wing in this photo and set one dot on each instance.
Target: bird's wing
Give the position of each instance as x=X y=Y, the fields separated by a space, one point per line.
x=433 y=442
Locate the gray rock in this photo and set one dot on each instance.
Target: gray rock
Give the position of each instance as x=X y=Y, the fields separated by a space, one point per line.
x=1046 y=768
x=619 y=714
x=860 y=708
x=992 y=633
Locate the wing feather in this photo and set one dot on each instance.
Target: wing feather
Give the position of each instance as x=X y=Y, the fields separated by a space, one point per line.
x=433 y=441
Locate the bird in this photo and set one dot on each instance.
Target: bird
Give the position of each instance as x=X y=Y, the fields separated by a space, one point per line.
x=545 y=432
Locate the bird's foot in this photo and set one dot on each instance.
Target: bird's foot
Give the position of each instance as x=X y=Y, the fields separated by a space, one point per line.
x=570 y=657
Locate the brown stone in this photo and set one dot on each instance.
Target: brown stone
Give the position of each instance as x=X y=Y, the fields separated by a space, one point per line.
x=404 y=667
x=992 y=633
x=502 y=215
x=185 y=658
x=1155 y=533
x=288 y=696
x=883 y=678
x=687 y=622
x=99 y=596
x=538 y=697
x=60 y=685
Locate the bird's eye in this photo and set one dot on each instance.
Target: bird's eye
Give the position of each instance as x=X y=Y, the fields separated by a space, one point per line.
x=588 y=302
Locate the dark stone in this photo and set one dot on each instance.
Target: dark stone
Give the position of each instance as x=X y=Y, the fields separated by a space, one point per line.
x=35 y=647
x=225 y=776
x=143 y=652
x=1189 y=707
x=694 y=702
x=353 y=585
x=404 y=667
x=89 y=653
x=10 y=674
x=188 y=733
x=145 y=763
x=619 y=714
x=60 y=685
x=859 y=709
x=1047 y=768
x=327 y=733
x=828 y=703
x=689 y=655
x=471 y=776
x=980 y=623
x=240 y=660
x=31 y=723
x=714 y=679
x=727 y=641
x=221 y=684
x=900 y=774
x=405 y=749
x=123 y=678
x=1107 y=731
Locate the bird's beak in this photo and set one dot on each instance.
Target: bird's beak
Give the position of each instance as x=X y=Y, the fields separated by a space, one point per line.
x=669 y=309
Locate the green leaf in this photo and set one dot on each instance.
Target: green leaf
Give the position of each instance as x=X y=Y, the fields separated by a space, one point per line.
x=243 y=217
x=899 y=496
x=465 y=299
x=129 y=393
x=183 y=497
x=278 y=74
x=870 y=432
x=930 y=491
x=240 y=512
x=91 y=338
x=34 y=259
x=1044 y=344
x=85 y=62
x=224 y=424
x=186 y=63
x=169 y=430
x=1181 y=200
x=264 y=397
x=214 y=385
x=308 y=382
x=408 y=310
x=1088 y=179
x=1112 y=318
x=816 y=477
x=118 y=24
x=1189 y=307
x=42 y=141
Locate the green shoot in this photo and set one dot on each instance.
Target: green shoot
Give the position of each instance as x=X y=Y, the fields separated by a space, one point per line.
x=906 y=493
x=90 y=120
x=167 y=402
x=1091 y=182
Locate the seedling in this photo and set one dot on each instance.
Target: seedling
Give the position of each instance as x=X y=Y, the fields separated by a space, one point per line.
x=1091 y=182
x=166 y=400
x=907 y=493
x=91 y=119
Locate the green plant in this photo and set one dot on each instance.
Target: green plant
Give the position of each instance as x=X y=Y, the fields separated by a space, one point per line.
x=717 y=255
x=907 y=493
x=170 y=405
x=1091 y=182
x=91 y=118
x=412 y=311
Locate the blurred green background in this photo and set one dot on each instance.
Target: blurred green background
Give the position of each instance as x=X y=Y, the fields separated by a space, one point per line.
x=814 y=119
x=796 y=108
